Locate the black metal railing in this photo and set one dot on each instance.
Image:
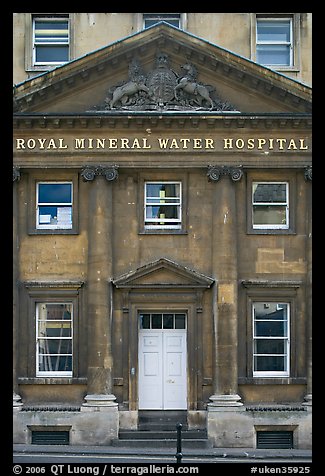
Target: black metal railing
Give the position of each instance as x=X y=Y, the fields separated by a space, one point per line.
x=179 y=454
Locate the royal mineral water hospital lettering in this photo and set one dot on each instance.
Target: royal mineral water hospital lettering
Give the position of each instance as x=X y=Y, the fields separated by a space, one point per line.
x=170 y=143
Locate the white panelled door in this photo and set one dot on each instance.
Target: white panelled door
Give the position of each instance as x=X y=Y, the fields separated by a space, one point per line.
x=174 y=370
x=150 y=370
x=162 y=369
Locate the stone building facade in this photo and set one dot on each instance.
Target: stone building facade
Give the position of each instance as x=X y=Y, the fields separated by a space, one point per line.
x=162 y=241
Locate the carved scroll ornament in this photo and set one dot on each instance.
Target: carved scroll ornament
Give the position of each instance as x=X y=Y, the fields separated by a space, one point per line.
x=89 y=172
x=215 y=172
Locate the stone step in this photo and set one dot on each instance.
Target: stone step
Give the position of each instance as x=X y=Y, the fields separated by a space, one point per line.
x=157 y=420
x=186 y=444
x=160 y=435
x=165 y=443
x=160 y=426
x=162 y=439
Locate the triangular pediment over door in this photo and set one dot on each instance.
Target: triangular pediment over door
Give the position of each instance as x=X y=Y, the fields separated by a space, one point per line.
x=161 y=274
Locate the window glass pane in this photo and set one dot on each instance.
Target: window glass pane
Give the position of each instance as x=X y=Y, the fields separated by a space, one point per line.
x=180 y=321
x=52 y=54
x=57 y=31
x=163 y=212
x=269 y=215
x=55 y=346
x=273 y=30
x=144 y=321
x=55 y=363
x=270 y=310
x=269 y=364
x=54 y=193
x=270 y=346
x=270 y=329
x=54 y=329
x=269 y=192
x=162 y=190
x=273 y=54
x=156 y=321
x=168 y=321
x=55 y=311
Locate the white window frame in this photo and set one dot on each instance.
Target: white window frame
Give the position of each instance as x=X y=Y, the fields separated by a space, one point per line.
x=156 y=223
x=163 y=313
x=286 y=356
x=53 y=373
x=265 y=42
x=160 y=17
x=286 y=205
x=48 y=226
x=39 y=43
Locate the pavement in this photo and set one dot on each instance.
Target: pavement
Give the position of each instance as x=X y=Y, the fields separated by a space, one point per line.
x=240 y=453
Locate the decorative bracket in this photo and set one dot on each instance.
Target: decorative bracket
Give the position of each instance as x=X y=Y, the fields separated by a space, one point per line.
x=215 y=172
x=308 y=173
x=16 y=174
x=89 y=172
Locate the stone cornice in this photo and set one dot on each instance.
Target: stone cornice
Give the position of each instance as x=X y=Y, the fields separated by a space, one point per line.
x=213 y=172
x=140 y=119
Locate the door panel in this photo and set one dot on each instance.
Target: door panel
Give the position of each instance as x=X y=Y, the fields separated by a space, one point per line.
x=151 y=364
x=174 y=387
x=150 y=370
x=162 y=369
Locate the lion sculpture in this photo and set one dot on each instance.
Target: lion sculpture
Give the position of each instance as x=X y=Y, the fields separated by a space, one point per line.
x=189 y=85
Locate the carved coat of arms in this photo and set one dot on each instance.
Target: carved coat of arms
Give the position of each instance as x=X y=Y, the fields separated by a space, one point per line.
x=163 y=89
x=162 y=81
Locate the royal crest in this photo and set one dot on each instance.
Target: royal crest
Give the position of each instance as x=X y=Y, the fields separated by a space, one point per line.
x=162 y=81
x=163 y=89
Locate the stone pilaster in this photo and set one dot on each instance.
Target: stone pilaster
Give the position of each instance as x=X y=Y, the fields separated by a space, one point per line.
x=223 y=417
x=100 y=362
x=225 y=272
